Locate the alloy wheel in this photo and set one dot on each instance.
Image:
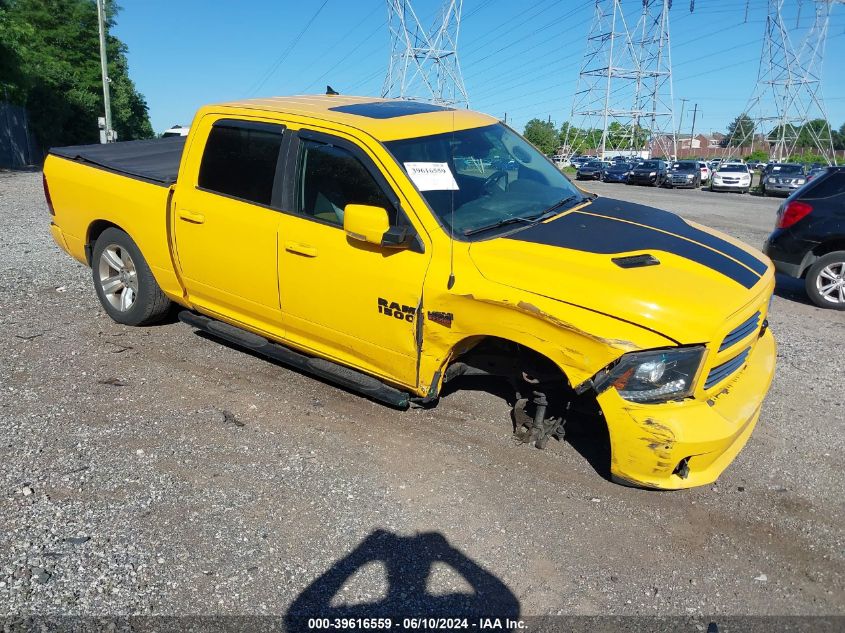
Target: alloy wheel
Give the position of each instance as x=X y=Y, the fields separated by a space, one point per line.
x=830 y=283
x=118 y=277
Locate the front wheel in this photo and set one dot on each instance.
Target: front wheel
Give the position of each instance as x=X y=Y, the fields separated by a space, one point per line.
x=825 y=282
x=124 y=282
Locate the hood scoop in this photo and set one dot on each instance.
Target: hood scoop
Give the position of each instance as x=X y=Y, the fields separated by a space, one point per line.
x=636 y=261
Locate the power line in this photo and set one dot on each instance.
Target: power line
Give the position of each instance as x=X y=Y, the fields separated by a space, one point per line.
x=284 y=55
x=336 y=44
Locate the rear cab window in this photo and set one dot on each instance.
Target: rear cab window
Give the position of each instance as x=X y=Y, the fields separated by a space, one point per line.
x=240 y=160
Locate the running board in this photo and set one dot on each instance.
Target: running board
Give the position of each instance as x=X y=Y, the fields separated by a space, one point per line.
x=338 y=374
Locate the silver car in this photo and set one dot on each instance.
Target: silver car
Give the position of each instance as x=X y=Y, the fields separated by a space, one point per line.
x=783 y=179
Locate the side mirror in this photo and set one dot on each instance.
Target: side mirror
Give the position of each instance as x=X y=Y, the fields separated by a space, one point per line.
x=371 y=224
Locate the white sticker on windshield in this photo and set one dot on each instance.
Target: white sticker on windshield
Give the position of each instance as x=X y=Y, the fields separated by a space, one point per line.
x=432 y=176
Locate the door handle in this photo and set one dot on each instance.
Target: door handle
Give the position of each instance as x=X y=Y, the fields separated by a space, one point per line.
x=191 y=216
x=301 y=249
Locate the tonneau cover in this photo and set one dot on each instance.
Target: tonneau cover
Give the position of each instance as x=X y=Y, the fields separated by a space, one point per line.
x=155 y=160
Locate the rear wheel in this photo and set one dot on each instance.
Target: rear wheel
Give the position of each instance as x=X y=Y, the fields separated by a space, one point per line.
x=124 y=282
x=825 y=282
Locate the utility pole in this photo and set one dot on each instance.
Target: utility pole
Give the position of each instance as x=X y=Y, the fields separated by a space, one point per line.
x=681 y=120
x=624 y=88
x=692 y=131
x=787 y=95
x=108 y=135
x=424 y=62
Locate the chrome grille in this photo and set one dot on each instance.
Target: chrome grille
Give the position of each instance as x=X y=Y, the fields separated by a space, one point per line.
x=741 y=331
x=723 y=371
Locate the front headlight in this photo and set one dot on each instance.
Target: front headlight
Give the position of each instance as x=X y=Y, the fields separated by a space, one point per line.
x=800 y=181
x=653 y=376
x=770 y=179
x=690 y=176
x=654 y=173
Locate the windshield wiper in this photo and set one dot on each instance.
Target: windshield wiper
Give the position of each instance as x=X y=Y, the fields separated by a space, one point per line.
x=529 y=219
x=495 y=225
x=557 y=206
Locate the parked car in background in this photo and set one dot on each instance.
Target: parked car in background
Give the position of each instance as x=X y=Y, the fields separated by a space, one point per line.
x=783 y=179
x=591 y=171
x=617 y=172
x=705 y=171
x=714 y=164
x=809 y=238
x=731 y=177
x=577 y=161
x=818 y=171
x=649 y=172
x=684 y=173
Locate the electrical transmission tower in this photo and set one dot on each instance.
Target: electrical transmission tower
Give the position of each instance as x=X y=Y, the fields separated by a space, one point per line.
x=424 y=62
x=786 y=110
x=623 y=101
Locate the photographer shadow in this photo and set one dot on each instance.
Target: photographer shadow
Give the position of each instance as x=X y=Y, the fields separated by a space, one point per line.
x=408 y=562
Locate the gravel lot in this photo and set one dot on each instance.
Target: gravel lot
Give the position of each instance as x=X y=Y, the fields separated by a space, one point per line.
x=126 y=489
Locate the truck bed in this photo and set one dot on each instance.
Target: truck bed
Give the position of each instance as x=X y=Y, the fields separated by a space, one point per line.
x=155 y=160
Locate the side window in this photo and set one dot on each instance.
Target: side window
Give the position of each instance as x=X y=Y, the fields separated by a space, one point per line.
x=240 y=160
x=833 y=185
x=330 y=178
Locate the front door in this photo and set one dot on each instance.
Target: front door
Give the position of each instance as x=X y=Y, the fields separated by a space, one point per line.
x=350 y=300
x=225 y=226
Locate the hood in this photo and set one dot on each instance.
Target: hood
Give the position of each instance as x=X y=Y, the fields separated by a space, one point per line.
x=595 y=257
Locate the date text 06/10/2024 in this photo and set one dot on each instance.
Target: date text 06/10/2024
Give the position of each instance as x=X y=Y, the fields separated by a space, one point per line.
x=416 y=624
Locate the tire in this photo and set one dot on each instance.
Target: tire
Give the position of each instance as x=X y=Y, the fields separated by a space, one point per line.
x=824 y=273
x=124 y=282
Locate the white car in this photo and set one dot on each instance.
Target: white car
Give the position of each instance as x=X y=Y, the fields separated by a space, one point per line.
x=176 y=130
x=705 y=171
x=731 y=177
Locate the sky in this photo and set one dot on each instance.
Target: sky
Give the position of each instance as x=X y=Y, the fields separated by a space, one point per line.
x=520 y=58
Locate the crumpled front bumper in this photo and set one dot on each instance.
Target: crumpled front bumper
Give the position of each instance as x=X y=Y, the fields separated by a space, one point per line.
x=648 y=442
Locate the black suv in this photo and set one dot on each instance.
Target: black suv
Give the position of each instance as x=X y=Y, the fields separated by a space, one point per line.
x=809 y=239
x=650 y=172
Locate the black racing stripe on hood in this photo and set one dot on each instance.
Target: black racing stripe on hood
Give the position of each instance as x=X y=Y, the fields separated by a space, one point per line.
x=667 y=221
x=595 y=234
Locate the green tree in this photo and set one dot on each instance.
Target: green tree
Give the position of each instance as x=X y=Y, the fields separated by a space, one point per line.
x=53 y=67
x=758 y=155
x=740 y=132
x=543 y=135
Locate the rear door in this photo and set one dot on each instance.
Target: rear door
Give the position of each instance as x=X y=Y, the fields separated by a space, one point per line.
x=225 y=222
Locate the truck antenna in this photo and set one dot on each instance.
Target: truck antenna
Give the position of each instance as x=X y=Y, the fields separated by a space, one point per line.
x=451 y=281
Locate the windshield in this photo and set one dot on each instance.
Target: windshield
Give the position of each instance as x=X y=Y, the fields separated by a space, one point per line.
x=481 y=177
x=649 y=164
x=594 y=164
x=620 y=167
x=741 y=168
x=788 y=169
x=684 y=166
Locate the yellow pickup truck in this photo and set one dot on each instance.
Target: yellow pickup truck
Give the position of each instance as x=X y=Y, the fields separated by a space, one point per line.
x=391 y=246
